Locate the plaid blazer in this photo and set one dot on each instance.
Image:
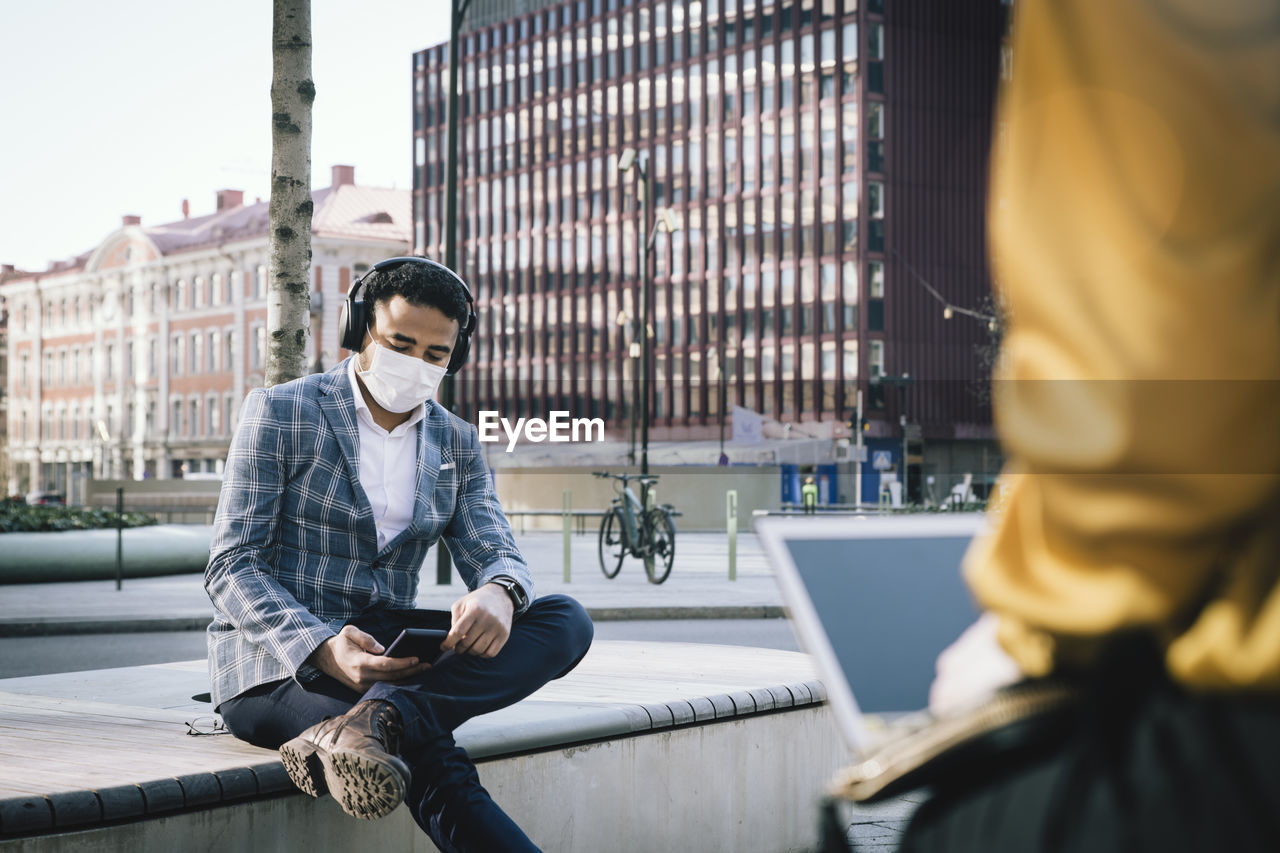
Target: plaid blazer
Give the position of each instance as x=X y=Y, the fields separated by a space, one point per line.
x=294 y=554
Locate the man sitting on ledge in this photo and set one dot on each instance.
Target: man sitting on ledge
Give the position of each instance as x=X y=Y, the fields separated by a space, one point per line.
x=336 y=485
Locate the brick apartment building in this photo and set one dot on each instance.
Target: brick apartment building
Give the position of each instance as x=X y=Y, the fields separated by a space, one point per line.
x=131 y=360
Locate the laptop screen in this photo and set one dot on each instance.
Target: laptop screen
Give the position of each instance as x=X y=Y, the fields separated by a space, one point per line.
x=888 y=606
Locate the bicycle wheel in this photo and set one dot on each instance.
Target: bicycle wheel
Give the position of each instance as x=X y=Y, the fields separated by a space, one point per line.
x=662 y=544
x=612 y=545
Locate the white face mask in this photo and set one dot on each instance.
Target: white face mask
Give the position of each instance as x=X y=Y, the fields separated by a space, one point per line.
x=400 y=382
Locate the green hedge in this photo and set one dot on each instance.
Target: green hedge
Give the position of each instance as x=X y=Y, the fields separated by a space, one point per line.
x=20 y=518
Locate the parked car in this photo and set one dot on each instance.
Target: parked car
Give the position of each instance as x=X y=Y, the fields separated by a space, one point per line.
x=46 y=499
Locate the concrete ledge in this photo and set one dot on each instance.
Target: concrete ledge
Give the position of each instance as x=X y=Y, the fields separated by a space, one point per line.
x=708 y=611
x=52 y=627
x=63 y=626
x=645 y=747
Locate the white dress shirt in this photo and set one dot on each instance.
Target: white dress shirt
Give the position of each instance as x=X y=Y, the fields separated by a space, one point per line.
x=388 y=465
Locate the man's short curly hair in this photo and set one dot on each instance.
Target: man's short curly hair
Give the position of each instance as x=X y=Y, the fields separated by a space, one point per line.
x=423 y=285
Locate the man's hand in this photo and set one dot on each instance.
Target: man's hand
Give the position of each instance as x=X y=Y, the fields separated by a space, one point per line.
x=355 y=659
x=481 y=622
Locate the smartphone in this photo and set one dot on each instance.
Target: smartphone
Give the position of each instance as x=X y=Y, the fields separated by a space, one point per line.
x=420 y=643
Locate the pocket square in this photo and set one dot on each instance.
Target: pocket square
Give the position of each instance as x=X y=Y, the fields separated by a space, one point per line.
x=446 y=466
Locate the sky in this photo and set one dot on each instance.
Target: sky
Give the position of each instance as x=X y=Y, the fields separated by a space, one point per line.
x=129 y=107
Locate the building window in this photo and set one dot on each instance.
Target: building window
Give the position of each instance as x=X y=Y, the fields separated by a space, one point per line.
x=828 y=369
x=876 y=199
x=850 y=353
x=258 y=351
x=875 y=315
x=875 y=41
x=875 y=78
x=875 y=120
x=849 y=138
x=875 y=279
x=875 y=296
x=875 y=210
x=849 y=220
x=875 y=235
x=849 y=308
x=875 y=155
x=875 y=358
x=196 y=341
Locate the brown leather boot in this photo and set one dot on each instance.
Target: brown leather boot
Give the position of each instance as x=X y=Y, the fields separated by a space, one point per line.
x=354 y=758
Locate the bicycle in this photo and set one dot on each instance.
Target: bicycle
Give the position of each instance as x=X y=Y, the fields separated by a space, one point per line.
x=632 y=527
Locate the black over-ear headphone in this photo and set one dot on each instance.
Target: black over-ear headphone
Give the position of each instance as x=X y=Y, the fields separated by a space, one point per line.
x=358 y=314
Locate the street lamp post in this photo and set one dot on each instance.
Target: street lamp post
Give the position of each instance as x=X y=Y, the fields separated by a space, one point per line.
x=644 y=179
x=633 y=352
x=858 y=454
x=723 y=400
x=902 y=382
x=723 y=395
x=458 y=11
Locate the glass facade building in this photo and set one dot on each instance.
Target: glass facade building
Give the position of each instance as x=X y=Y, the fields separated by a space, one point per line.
x=789 y=144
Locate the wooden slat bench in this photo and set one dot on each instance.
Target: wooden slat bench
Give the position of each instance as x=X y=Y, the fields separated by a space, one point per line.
x=645 y=746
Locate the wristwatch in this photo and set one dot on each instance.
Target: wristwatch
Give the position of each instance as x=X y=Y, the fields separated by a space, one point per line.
x=518 y=597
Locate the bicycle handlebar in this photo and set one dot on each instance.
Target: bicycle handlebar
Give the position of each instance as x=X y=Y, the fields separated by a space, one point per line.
x=644 y=478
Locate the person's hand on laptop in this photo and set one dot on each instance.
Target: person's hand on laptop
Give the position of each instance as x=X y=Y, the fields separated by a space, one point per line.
x=971 y=669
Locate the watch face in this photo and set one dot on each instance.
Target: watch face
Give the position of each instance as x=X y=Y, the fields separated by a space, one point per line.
x=513 y=589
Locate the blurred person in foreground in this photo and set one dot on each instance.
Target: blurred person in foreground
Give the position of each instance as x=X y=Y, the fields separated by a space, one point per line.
x=1135 y=226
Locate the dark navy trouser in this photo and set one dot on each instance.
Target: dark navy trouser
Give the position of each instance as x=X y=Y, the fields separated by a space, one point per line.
x=445 y=796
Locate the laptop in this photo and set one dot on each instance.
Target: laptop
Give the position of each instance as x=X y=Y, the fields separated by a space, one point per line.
x=873 y=600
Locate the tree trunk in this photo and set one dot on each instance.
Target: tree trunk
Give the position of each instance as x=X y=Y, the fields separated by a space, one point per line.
x=288 y=290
